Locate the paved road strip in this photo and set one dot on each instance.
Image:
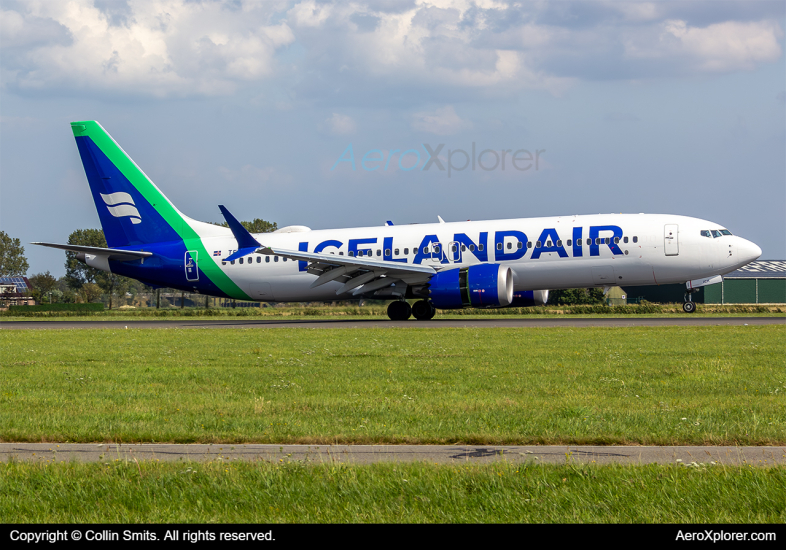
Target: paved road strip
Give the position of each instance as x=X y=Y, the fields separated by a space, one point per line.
x=366 y=454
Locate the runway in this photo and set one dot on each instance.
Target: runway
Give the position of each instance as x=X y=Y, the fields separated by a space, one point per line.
x=367 y=454
x=472 y=322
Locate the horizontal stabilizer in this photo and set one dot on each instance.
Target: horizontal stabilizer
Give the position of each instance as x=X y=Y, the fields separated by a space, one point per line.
x=114 y=254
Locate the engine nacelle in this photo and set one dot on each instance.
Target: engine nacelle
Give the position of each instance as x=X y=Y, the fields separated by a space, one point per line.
x=530 y=298
x=483 y=285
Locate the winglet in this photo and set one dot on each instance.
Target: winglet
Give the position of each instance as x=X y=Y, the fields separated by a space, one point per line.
x=242 y=236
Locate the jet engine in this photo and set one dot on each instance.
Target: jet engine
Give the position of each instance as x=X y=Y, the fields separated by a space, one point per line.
x=483 y=285
x=529 y=298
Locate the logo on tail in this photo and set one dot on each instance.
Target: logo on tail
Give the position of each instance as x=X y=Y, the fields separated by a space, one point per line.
x=121 y=205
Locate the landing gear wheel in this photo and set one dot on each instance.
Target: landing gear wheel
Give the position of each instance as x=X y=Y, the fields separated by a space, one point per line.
x=423 y=310
x=689 y=307
x=399 y=311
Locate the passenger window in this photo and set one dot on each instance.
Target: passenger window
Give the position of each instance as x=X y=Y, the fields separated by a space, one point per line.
x=559 y=243
x=548 y=244
x=285 y=259
x=569 y=242
x=396 y=252
x=453 y=248
x=616 y=240
x=519 y=244
x=463 y=248
x=436 y=250
x=635 y=239
x=625 y=240
x=232 y=262
x=379 y=252
x=223 y=263
x=578 y=242
x=538 y=244
x=608 y=240
x=480 y=247
x=425 y=250
x=510 y=245
x=529 y=244
x=351 y=253
x=267 y=259
x=472 y=248
x=340 y=253
x=259 y=259
x=406 y=252
x=275 y=258
x=240 y=260
x=499 y=246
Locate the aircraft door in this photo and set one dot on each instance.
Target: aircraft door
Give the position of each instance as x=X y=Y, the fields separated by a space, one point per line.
x=671 y=243
x=454 y=252
x=192 y=271
x=435 y=252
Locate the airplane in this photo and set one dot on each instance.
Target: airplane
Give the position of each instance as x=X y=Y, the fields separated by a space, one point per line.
x=480 y=264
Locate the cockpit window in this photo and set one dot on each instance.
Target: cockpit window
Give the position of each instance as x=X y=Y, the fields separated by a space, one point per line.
x=705 y=233
x=716 y=233
x=725 y=232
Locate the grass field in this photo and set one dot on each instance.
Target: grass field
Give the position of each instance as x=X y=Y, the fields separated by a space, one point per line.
x=117 y=492
x=653 y=386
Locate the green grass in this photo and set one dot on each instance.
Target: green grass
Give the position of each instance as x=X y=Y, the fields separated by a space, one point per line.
x=652 y=386
x=245 y=492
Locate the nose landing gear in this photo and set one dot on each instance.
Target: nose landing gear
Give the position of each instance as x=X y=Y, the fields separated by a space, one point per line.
x=689 y=306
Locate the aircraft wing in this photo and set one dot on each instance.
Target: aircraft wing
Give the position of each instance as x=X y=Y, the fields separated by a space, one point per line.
x=358 y=274
x=353 y=272
x=111 y=253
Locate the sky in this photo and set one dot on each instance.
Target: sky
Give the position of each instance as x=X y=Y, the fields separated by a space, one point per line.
x=345 y=114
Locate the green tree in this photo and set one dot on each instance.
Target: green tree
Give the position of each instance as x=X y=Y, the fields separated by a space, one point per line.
x=43 y=284
x=12 y=257
x=575 y=296
x=256 y=226
x=77 y=273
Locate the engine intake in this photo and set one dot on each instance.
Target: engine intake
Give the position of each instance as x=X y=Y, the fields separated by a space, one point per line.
x=483 y=285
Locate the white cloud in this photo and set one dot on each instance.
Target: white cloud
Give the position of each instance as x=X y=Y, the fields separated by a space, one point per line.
x=443 y=48
x=720 y=47
x=443 y=122
x=166 y=48
x=340 y=125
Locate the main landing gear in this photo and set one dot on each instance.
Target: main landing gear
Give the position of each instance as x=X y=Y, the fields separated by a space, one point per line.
x=423 y=310
x=400 y=310
x=689 y=306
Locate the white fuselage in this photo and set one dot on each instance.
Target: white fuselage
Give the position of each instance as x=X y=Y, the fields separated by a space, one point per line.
x=543 y=253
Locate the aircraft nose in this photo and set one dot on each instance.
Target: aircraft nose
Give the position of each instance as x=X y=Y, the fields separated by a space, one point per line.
x=749 y=251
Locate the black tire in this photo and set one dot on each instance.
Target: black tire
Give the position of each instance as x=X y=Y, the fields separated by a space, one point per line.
x=399 y=311
x=423 y=310
x=689 y=307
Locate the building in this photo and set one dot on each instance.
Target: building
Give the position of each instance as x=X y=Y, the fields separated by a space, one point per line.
x=15 y=291
x=760 y=282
